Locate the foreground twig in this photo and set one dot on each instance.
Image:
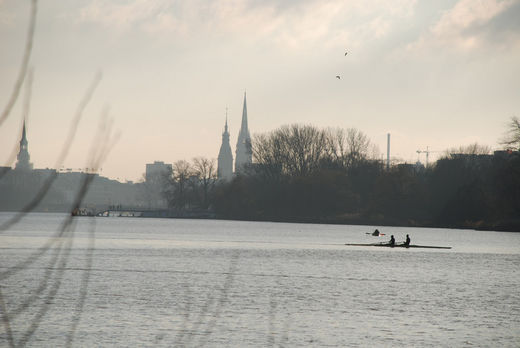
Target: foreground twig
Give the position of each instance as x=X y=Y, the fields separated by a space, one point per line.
x=204 y=311
x=83 y=289
x=64 y=152
x=100 y=149
x=5 y=320
x=25 y=63
x=25 y=116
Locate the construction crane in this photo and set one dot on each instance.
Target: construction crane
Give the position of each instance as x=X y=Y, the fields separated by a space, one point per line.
x=427 y=152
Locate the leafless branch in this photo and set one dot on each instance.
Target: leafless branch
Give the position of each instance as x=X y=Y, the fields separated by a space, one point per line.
x=228 y=282
x=25 y=63
x=512 y=136
x=42 y=285
x=99 y=152
x=83 y=289
x=64 y=152
x=5 y=320
x=35 y=323
x=25 y=116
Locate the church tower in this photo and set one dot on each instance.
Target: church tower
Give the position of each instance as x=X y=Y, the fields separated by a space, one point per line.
x=23 y=155
x=225 y=157
x=244 y=152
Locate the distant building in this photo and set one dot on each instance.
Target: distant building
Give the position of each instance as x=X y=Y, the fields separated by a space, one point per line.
x=20 y=186
x=156 y=184
x=225 y=157
x=23 y=157
x=244 y=152
x=157 y=172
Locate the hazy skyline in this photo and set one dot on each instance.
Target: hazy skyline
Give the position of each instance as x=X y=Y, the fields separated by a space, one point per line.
x=438 y=74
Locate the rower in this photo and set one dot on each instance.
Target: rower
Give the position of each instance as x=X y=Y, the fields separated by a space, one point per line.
x=375 y=233
x=407 y=243
x=392 y=241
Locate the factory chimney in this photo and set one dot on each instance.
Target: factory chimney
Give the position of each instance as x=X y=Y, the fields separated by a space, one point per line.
x=388 y=152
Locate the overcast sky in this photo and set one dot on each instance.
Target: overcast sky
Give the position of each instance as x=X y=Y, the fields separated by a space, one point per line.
x=441 y=73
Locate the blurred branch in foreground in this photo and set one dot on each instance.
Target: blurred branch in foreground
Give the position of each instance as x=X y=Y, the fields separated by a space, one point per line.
x=64 y=152
x=102 y=144
x=25 y=117
x=25 y=63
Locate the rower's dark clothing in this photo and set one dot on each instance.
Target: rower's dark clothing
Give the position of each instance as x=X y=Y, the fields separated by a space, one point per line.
x=376 y=232
x=407 y=243
x=392 y=241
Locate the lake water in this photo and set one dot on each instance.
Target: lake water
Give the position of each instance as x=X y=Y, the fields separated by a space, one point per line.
x=190 y=283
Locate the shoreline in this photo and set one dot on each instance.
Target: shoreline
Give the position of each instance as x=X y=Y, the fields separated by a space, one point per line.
x=512 y=225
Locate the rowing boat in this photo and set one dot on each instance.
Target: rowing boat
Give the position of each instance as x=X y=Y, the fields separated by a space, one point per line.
x=399 y=245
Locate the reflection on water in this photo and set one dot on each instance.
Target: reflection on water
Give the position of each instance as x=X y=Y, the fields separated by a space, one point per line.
x=210 y=283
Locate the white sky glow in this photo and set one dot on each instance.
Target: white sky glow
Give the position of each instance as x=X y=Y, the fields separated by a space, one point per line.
x=432 y=73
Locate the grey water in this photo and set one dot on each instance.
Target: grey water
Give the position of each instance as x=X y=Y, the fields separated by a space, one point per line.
x=187 y=283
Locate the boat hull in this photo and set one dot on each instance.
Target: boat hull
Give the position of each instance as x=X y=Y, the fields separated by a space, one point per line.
x=399 y=246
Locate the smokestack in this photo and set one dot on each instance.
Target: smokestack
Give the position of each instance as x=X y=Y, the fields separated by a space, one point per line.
x=388 y=152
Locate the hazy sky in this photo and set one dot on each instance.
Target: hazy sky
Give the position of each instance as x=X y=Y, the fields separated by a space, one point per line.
x=438 y=73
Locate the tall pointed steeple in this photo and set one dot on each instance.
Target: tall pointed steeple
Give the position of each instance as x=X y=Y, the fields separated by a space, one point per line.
x=243 y=127
x=225 y=126
x=23 y=155
x=244 y=152
x=225 y=157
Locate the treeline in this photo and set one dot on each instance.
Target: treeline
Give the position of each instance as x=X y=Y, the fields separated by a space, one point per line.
x=306 y=174
x=188 y=187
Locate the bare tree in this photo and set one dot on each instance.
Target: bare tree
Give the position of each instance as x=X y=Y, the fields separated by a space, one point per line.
x=358 y=145
x=298 y=150
x=178 y=189
x=204 y=169
x=308 y=148
x=512 y=136
x=293 y=150
x=347 y=147
x=471 y=149
x=267 y=155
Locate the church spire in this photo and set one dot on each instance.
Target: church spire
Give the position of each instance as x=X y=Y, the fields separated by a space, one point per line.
x=24 y=135
x=243 y=152
x=244 y=115
x=225 y=127
x=23 y=155
x=225 y=156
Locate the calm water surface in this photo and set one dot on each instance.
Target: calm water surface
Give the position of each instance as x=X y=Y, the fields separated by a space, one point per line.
x=166 y=282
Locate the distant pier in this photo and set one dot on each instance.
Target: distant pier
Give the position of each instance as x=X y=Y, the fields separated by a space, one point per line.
x=156 y=213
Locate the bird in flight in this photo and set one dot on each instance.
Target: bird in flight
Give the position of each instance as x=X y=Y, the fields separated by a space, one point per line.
x=346 y=53
x=338 y=77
